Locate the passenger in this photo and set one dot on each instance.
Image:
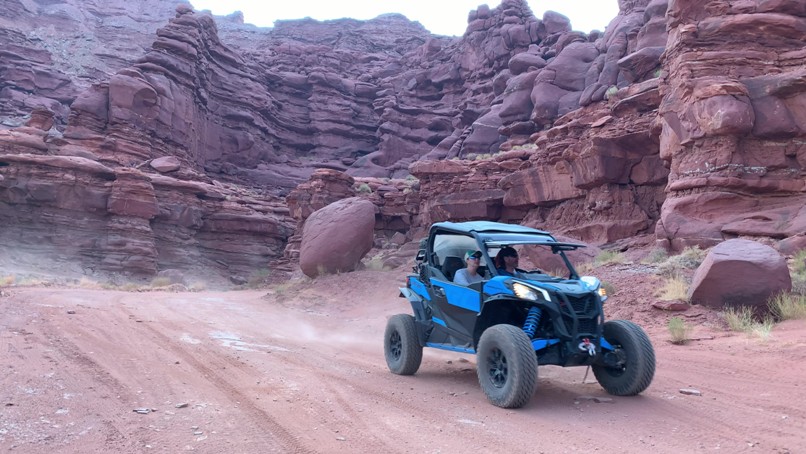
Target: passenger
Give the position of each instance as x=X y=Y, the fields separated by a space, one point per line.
x=469 y=275
x=506 y=262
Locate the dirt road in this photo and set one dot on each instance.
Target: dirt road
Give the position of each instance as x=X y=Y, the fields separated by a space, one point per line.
x=299 y=368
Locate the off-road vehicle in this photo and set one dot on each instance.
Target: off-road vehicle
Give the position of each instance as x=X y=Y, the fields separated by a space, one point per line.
x=513 y=324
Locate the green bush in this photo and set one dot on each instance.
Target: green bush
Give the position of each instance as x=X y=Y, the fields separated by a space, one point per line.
x=364 y=188
x=610 y=257
x=798 y=272
x=658 y=255
x=679 y=330
x=690 y=259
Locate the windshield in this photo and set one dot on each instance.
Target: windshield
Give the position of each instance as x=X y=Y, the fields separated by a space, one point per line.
x=534 y=261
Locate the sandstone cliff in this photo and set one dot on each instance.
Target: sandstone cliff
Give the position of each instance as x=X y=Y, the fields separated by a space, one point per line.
x=686 y=124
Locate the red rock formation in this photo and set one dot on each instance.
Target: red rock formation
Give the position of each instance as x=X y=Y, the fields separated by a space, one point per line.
x=335 y=238
x=740 y=273
x=579 y=134
x=733 y=121
x=73 y=209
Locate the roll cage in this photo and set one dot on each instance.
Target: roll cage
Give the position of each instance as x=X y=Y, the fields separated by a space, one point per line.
x=440 y=249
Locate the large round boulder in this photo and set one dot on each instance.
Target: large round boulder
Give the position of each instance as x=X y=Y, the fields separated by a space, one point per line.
x=740 y=273
x=335 y=238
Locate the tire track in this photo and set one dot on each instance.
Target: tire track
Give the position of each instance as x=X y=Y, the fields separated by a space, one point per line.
x=285 y=441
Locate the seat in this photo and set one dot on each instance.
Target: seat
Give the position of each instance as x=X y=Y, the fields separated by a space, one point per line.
x=451 y=265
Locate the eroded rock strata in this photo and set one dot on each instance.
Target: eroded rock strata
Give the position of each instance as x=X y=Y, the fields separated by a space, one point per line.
x=144 y=137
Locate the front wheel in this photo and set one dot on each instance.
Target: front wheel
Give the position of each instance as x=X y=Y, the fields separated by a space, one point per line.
x=629 y=368
x=400 y=345
x=507 y=366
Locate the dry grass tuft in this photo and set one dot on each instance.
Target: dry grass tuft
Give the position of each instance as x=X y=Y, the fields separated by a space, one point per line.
x=197 y=286
x=679 y=330
x=742 y=319
x=258 y=278
x=674 y=288
x=610 y=258
x=690 y=259
x=88 y=283
x=160 y=281
x=788 y=306
x=656 y=256
x=798 y=272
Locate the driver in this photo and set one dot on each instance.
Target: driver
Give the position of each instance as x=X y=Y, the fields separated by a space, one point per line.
x=506 y=261
x=469 y=275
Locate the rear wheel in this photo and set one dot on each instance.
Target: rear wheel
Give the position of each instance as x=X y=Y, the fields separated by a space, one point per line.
x=628 y=370
x=400 y=345
x=507 y=366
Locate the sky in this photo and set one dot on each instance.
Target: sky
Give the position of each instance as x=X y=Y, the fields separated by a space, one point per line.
x=441 y=17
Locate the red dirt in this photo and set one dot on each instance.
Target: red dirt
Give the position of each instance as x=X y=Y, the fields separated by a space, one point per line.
x=299 y=367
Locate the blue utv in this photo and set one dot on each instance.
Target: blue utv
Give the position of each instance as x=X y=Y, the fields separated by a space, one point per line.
x=513 y=324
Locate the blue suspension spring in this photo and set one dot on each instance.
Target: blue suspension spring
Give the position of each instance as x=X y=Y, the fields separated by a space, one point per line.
x=532 y=320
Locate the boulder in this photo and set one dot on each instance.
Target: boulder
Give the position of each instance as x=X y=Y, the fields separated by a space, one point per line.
x=740 y=273
x=166 y=164
x=336 y=237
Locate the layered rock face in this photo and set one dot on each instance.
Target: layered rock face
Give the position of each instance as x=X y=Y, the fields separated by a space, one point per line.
x=167 y=134
x=733 y=123
x=71 y=211
x=52 y=51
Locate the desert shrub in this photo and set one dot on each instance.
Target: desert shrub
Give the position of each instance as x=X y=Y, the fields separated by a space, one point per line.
x=742 y=319
x=160 y=281
x=611 y=92
x=364 y=188
x=799 y=262
x=799 y=285
x=375 y=264
x=658 y=255
x=610 y=257
x=674 y=288
x=86 y=282
x=197 y=286
x=689 y=259
x=257 y=278
x=129 y=287
x=678 y=330
x=609 y=288
x=31 y=281
x=739 y=318
x=762 y=329
x=798 y=272
x=6 y=281
x=788 y=306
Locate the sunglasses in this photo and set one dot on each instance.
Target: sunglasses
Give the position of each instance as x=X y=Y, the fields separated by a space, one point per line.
x=474 y=258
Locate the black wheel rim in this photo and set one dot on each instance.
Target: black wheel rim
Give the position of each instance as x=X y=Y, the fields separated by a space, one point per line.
x=396 y=345
x=621 y=358
x=497 y=368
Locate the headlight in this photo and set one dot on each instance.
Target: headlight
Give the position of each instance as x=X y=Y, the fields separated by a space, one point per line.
x=595 y=285
x=529 y=293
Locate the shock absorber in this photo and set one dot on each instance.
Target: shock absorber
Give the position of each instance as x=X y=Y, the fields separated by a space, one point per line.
x=532 y=320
